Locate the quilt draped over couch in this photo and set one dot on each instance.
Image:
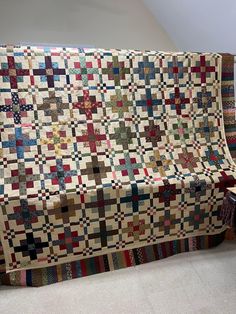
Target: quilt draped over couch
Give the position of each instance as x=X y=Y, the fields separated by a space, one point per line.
x=109 y=151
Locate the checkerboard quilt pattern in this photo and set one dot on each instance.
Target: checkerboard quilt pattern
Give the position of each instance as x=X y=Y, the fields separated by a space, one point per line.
x=107 y=150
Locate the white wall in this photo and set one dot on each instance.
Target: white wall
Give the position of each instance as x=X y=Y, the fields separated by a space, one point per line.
x=198 y=25
x=98 y=23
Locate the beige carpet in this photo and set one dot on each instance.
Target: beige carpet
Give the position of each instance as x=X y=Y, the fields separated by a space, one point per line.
x=198 y=282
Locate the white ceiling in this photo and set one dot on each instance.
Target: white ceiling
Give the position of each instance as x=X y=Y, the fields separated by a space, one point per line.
x=198 y=25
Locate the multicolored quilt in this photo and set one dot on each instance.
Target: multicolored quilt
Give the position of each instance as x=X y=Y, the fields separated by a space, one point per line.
x=103 y=151
x=228 y=102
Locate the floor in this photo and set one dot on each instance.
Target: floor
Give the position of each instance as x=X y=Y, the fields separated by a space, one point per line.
x=197 y=282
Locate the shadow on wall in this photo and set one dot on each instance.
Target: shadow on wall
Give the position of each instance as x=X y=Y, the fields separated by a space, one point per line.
x=203 y=25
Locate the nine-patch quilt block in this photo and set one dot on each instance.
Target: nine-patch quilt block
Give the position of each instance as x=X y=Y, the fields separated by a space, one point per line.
x=107 y=150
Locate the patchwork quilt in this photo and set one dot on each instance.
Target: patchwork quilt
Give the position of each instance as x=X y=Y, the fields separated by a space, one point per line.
x=103 y=151
x=228 y=102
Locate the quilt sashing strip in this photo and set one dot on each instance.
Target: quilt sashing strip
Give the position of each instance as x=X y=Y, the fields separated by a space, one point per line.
x=107 y=150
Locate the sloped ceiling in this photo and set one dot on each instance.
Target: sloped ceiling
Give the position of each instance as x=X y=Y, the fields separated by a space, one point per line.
x=202 y=25
x=96 y=23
